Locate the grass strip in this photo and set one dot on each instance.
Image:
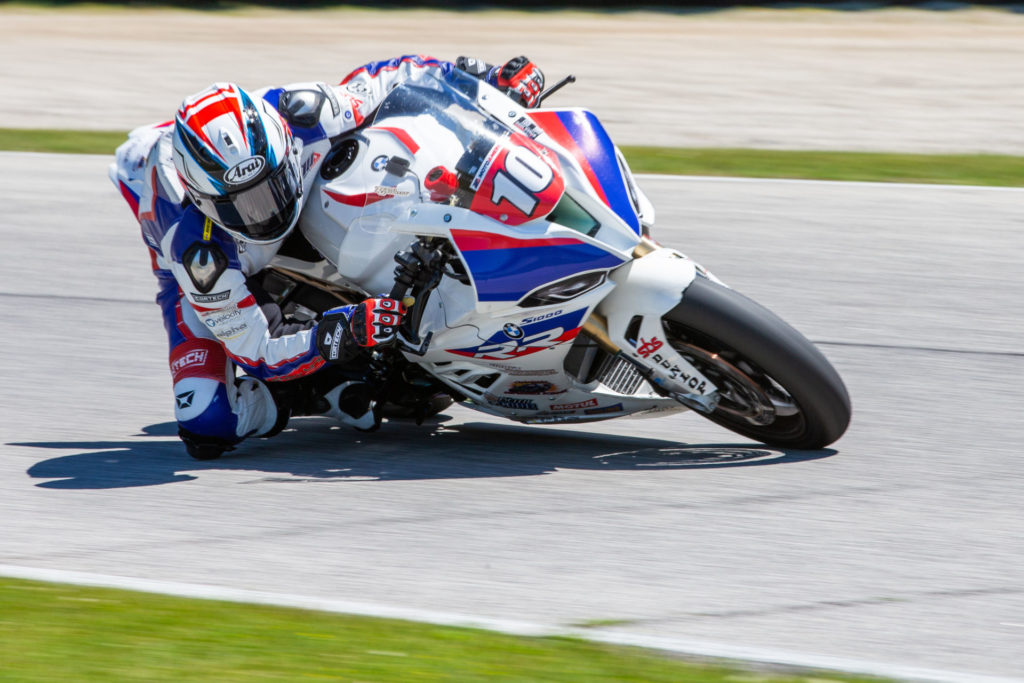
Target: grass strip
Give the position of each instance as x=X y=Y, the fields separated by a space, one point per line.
x=953 y=169
x=54 y=632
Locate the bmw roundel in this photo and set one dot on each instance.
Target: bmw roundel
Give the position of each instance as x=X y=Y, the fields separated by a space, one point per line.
x=512 y=331
x=379 y=163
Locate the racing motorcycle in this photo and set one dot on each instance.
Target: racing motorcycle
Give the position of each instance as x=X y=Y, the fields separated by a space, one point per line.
x=535 y=292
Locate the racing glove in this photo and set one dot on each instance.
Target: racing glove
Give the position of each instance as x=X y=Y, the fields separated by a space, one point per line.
x=521 y=80
x=368 y=324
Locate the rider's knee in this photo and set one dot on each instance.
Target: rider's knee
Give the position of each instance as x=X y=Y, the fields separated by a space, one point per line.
x=215 y=410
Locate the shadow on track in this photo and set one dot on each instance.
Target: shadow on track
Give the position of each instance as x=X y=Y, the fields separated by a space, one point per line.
x=321 y=451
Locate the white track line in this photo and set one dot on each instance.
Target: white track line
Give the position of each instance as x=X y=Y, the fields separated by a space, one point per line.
x=687 y=646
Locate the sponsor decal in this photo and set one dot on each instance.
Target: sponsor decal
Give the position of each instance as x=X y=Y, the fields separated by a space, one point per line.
x=357 y=88
x=210 y=298
x=197 y=357
x=535 y=387
x=231 y=332
x=536 y=337
x=379 y=163
x=245 y=170
x=384 y=191
x=478 y=179
x=334 y=340
x=675 y=372
x=520 y=372
x=575 y=406
x=529 y=128
x=207 y=229
x=221 y=316
x=647 y=347
x=308 y=164
x=617 y=408
x=543 y=316
x=512 y=331
x=551 y=419
x=515 y=403
x=184 y=400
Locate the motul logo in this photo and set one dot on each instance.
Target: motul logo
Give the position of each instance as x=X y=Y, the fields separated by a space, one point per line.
x=244 y=171
x=197 y=357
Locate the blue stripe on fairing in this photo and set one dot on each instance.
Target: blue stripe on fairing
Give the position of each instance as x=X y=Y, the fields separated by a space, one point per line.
x=509 y=274
x=595 y=144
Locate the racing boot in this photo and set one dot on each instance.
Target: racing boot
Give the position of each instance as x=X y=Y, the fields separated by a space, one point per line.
x=352 y=403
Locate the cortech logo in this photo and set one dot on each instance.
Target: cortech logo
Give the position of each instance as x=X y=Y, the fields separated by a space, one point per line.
x=245 y=170
x=197 y=357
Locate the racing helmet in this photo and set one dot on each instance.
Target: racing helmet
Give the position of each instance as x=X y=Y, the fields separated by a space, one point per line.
x=238 y=162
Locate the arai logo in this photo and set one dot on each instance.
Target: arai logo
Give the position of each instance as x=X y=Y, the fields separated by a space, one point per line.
x=245 y=170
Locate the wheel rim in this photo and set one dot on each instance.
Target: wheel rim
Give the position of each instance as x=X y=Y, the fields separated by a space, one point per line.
x=746 y=392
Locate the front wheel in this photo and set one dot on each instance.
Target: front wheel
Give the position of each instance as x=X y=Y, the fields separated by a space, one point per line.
x=775 y=385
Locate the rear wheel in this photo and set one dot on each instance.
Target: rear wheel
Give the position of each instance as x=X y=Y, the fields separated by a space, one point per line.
x=775 y=385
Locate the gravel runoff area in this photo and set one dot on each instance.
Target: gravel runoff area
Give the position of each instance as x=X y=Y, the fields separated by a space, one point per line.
x=893 y=79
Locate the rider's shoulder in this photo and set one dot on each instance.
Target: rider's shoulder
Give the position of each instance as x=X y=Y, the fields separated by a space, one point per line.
x=193 y=228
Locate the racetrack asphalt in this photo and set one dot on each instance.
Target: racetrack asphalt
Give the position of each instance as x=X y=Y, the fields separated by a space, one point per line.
x=899 y=544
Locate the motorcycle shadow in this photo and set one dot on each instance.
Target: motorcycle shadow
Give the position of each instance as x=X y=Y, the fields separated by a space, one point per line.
x=318 y=450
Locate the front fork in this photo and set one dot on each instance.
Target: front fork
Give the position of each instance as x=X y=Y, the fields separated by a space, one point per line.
x=627 y=323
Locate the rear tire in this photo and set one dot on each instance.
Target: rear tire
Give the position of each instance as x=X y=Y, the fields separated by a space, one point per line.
x=776 y=386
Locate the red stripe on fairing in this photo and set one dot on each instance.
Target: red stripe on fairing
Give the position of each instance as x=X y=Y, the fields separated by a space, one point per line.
x=553 y=126
x=402 y=136
x=247 y=301
x=356 y=199
x=474 y=240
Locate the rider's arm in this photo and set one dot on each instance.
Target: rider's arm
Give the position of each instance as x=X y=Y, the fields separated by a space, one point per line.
x=232 y=307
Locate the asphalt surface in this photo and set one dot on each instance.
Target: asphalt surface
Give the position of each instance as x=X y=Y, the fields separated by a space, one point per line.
x=902 y=543
x=898 y=79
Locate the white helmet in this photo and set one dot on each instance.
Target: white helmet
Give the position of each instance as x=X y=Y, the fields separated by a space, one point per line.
x=239 y=163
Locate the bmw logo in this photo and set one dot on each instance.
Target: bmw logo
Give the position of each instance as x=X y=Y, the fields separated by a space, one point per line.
x=512 y=331
x=379 y=163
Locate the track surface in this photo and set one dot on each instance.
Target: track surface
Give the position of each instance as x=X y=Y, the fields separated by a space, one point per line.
x=890 y=80
x=902 y=544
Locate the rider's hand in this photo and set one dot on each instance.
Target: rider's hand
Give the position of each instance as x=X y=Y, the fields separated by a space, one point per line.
x=521 y=80
x=376 y=321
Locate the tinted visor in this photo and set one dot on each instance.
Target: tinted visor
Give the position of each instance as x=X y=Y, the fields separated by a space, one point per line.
x=262 y=212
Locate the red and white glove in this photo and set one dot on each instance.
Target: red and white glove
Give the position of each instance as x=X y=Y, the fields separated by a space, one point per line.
x=376 y=321
x=521 y=80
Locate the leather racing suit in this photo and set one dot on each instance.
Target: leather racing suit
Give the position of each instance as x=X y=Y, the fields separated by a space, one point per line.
x=217 y=316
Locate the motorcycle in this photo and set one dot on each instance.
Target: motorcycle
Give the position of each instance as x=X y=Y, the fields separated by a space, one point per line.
x=535 y=292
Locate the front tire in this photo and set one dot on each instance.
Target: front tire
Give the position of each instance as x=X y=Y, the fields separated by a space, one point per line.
x=775 y=385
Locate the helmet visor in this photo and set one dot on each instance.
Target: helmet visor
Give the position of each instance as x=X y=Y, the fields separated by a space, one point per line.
x=262 y=212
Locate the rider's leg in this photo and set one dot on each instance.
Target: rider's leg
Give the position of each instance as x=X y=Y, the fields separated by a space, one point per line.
x=215 y=410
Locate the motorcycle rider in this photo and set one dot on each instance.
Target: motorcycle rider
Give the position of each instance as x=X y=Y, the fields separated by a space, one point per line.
x=217 y=192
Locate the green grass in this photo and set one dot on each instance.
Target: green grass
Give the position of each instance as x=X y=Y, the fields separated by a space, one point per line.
x=52 y=632
x=67 y=141
x=955 y=169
